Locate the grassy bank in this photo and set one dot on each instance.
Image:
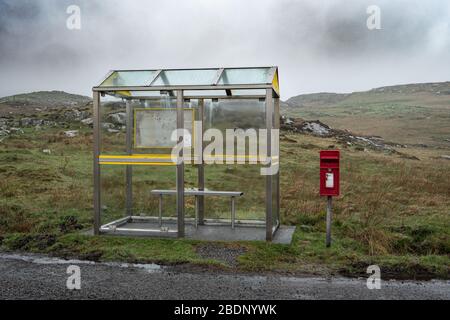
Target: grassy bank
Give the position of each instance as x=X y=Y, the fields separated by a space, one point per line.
x=393 y=211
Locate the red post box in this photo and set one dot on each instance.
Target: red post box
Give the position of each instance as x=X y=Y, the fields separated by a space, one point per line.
x=329 y=172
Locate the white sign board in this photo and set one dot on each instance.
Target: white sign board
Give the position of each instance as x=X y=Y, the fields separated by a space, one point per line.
x=153 y=127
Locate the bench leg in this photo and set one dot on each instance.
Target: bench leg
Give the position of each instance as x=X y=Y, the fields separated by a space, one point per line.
x=160 y=209
x=233 y=212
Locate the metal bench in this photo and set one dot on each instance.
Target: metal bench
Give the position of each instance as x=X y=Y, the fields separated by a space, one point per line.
x=197 y=193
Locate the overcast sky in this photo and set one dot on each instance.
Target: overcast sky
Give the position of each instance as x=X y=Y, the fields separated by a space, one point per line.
x=319 y=45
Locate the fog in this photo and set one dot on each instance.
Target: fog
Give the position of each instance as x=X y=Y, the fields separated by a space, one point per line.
x=319 y=45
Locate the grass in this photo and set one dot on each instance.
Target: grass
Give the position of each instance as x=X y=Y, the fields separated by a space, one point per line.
x=393 y=212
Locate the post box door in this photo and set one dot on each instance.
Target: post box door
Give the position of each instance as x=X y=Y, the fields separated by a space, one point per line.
x=329 y=173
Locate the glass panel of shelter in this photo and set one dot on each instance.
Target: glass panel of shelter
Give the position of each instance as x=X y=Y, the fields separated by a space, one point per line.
x=129 y=78
x=237 y=116
x=185 y=77
x=220 y=114
x=244 y=76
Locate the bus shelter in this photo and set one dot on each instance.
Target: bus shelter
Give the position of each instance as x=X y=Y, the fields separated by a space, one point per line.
x=141 y=187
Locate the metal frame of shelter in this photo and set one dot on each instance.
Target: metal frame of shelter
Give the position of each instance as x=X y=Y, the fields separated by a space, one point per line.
x=259 y=83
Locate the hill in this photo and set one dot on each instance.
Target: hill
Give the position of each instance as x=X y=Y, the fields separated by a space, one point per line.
x=317 y=99
x=27 y=103
x=410 y=114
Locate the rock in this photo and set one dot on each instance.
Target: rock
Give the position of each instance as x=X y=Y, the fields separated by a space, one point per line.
x=316 y=128
x=285 y=127
x=286 y=120
x=49 y=123
x=344 y=137
x=118 y=118
x=71 y=133
x=75 y=115
x=16 y=130
x=107 y=125
x=29 y=122
x=25 y=122
x=445 y=157
x=87 y=121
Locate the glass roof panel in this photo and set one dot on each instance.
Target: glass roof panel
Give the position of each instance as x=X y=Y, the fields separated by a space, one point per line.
x=190 y=77
x=129 y=79
x=244 y=76
x=204 y=93
x=186 y=77
x=249 y=92
x=145 y=93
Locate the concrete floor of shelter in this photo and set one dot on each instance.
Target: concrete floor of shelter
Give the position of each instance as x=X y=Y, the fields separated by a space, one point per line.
x=207 y=232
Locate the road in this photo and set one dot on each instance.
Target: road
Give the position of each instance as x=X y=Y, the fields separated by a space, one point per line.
x=40 y=277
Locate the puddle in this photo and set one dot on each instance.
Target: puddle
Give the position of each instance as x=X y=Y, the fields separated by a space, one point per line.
x=149 y=267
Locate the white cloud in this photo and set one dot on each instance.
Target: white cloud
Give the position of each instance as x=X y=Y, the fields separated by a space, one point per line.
x=320 y=45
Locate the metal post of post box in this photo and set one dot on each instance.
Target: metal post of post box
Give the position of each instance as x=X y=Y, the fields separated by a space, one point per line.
x=329 y=213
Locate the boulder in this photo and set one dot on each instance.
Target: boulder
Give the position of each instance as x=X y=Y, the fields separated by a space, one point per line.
x=316 y=128
x=29 y=122
x=71 y=133
x=26 y=122
x=75 y=115
x=37 y=122
x=119 y=118
x=48 y=123
x=87 y=121
x=107 y=125
x=16 y=130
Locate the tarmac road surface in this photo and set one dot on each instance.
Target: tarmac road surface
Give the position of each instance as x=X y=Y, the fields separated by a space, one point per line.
x=40 y=277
